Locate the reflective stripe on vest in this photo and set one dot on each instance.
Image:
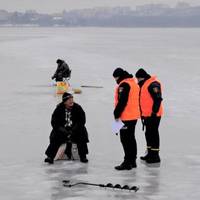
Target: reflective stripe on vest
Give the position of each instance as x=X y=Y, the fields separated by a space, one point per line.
x=131 y=110
x=146 y=101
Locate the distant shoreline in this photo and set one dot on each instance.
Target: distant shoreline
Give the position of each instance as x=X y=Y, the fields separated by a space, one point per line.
x=146 y=16
x=136 y=27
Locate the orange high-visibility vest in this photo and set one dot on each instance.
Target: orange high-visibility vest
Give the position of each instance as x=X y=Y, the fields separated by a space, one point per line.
x=146 y=101
x=131 y=110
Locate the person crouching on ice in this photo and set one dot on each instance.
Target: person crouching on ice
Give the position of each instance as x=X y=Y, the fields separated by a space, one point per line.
x=62 y=72
x=68 y=122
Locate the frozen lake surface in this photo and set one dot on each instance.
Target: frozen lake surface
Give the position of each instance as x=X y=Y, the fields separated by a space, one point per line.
x=28 y=99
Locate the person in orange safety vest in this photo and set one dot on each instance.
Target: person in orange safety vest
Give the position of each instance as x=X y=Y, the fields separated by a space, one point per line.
x=151 y=112
x=127 y=110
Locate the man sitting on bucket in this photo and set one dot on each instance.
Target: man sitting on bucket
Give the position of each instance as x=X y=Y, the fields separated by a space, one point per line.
x=68 y=122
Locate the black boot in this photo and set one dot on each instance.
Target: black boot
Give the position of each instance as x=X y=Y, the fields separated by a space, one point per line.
x=48 y=160
x=124 y=166
x=133 y=164
x=146 y=156
x=154 y=157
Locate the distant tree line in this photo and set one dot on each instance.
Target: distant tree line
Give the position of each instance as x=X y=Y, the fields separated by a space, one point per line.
x=150 y=15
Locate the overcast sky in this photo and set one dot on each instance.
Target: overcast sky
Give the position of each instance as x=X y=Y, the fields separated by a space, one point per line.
x=50 y=6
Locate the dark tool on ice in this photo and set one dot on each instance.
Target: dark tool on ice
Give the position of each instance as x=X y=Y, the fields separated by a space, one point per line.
x=108 y=185
x=91 y=86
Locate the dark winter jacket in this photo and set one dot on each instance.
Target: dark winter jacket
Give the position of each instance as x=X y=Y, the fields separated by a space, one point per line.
x=62 y=71
x=78 y=132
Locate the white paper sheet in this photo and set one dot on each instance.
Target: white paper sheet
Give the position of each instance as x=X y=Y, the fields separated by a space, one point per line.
x=117 y=125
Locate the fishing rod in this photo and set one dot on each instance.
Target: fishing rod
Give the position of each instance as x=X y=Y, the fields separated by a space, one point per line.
x=108 y=185
x=91 y=86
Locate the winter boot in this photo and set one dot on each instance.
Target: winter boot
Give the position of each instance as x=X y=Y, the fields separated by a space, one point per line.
x=154 y=157
x=48 y=160
x=147 y=154
x=134 y=164
x=124 y=166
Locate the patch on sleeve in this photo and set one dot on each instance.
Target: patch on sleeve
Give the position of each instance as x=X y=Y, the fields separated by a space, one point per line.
x=156 y=90
x=121 y=89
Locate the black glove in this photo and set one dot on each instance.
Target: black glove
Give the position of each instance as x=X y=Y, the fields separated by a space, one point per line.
x=143 y=122
x=67 y=134
x=64 y=131
x=69 y=138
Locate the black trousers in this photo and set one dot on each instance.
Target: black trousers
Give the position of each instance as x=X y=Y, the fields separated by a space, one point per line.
x=152 y=132
x=127 y=137
x=59 y=139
